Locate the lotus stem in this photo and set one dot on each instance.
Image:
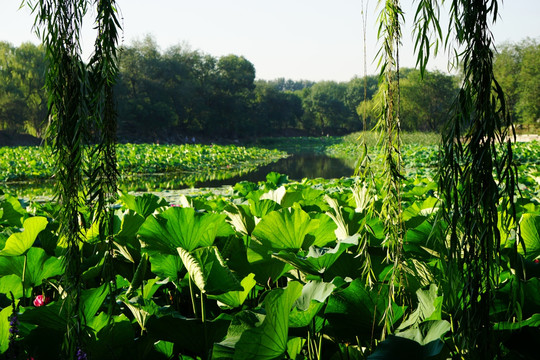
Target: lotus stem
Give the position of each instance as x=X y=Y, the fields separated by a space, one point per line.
x=203 y=318
x=195 y=313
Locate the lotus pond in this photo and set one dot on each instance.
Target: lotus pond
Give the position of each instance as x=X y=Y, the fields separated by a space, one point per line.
x=263 y=270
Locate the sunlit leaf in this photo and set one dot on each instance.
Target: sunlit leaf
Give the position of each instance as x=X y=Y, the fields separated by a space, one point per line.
x=208 y=270
x=182 y=227
x=284 y=229
x=236 y=298
x=19 y=243
x=269 y=340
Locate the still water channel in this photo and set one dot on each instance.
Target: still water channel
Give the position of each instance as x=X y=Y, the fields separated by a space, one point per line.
x=296 y=167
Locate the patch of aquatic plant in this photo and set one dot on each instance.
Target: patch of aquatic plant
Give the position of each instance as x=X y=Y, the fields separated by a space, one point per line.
x=273 y=269
x=24 y=163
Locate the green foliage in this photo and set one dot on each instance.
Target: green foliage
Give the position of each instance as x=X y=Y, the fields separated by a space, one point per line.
x=307 y=293
x=24 y=163
x=269 y=340
x=191 y=93
x=23 y=104
x=18 y=243
x=426 y=101
x=516 y=70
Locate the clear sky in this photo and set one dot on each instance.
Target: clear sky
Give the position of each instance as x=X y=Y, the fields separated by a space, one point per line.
x=297 y=39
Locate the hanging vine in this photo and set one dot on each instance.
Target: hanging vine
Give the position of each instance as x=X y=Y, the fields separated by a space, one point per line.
x=104 y=175
x=476 y=174
x=81 y=131
x=389 y=32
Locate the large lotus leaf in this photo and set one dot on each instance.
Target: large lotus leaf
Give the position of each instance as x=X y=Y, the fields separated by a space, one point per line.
x=39 y=266
x=91 y=235
x=314 y=291
x=99 y=321
x=143 y=205
x=533 y=321
x=426 y=332
x=128 y=224
x=323 y=230
x=348 y=221
x=165 y=348
x=395 y=347
x=166 y=266
x=308 y=305
x=317 y=259
x=531 y=289
x=91 y=300
x=182 y=227
x=241 y=218
x=208 y=270
x=530 y=235
x=294 y=347
x=266 y=268
x=275 y=195
x=236 y=298
x=429 y=308
x=19 y=243
x=269 y=340
x=141 y=309
x=115 y=340
x=4 y=328
x=241 y=322
x=276 y=179
x=312 y=199
x=291 y=198
x=12 y=211
x=418 y=212
x=11 y=284
x=221 y=352
x=262 y=207
x=188 y=334
x=420 y=233
x=235 y=251
x=356 y=311
x=284 y=229
x=51 y=316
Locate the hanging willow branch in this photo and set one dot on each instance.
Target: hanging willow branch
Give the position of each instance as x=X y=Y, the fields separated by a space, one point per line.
x=66 y=82
x=81 y=131
x=390 y=19
x=476 y=177
x=103 y=176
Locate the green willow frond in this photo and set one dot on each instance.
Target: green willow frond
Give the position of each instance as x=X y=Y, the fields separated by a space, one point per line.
x=81 y=131
x=389 y=33
x=476 y=176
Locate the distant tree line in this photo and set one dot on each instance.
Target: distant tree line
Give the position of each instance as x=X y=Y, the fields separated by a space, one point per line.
x=517 y=68
x=185 y=93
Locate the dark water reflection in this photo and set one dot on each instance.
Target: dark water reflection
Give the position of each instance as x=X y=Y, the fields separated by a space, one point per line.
x=296 y=167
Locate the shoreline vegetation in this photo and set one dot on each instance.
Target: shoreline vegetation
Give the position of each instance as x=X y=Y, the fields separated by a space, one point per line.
x=314 y=271
x=166 y=169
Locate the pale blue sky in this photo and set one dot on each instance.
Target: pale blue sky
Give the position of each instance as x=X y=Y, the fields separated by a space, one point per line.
x=297 y=39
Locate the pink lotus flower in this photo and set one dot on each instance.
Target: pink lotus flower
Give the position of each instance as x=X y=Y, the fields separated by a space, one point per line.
x=536 y=261
x=41 y=300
